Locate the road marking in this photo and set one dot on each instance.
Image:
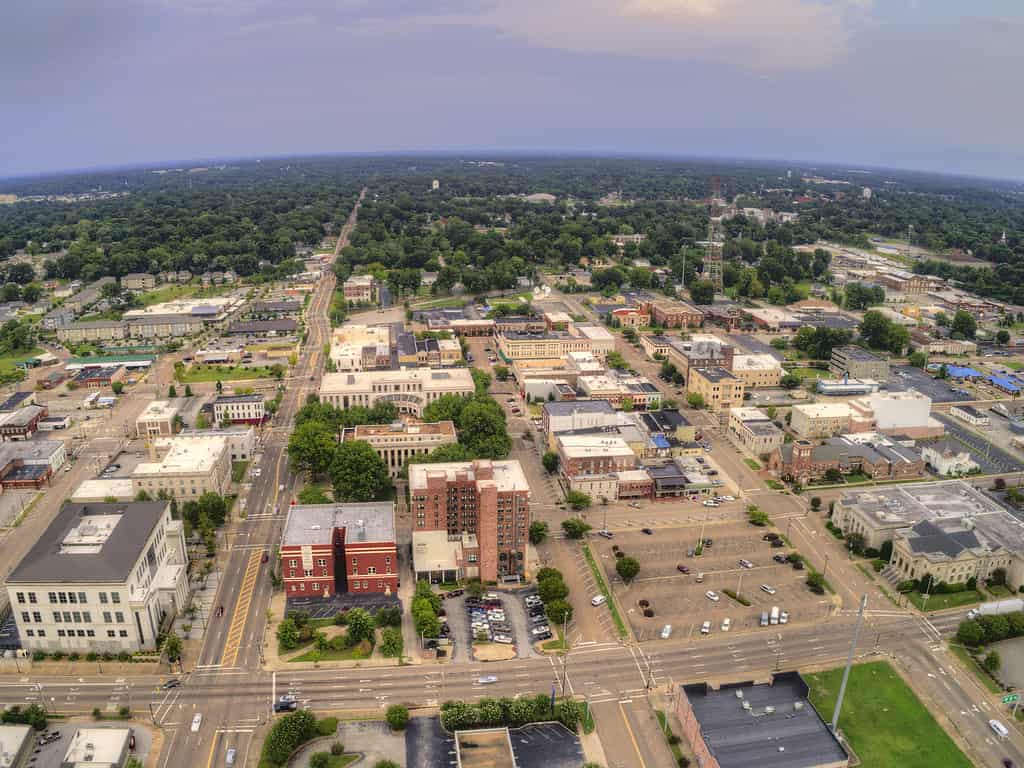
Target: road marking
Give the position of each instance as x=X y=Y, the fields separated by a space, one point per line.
x=632 y=737
x=233 y=638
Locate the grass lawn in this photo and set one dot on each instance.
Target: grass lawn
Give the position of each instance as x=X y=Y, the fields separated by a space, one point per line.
x=1012 y=365
x=454 y=301
x=555 y=643
x=884 y=721
x=199 y=373
x=340 y=761
x=968 y=661
x=347 y=654
x=775 y=485
x=752 y=464
x=940 y=602
x=667 y=731
x=808 y=373
x=998 y=590
x=172 y=292
x=603 y=586
x=238 y=470
x=9 y=362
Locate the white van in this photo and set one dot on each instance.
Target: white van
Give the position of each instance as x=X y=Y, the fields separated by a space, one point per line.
x=775 y=614
x=666 y=632
x=598 y=600
x=999 y=729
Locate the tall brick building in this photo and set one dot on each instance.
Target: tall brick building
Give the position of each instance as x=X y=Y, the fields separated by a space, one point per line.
x=490 y=499
x=332 y=548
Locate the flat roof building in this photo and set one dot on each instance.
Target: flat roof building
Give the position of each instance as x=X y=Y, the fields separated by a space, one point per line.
x=757 y=370
x=752 y=428
x=101 y=577
x=719 y=388
x=156 y=420
x=98 y=748
x=396 y=443
x=820 y=419
x=190 y=467
x=239 y=409
x=857 y=363
x=410 y=389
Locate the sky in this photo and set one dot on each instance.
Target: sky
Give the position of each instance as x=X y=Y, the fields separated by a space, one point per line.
x=923 y=84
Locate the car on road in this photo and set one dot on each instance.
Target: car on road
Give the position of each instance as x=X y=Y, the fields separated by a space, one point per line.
x=682 y=568
x=705 y=628
x=779 y=558
x=728 y=498
x=708 y=542
x=784 y=617
x=666 y=632
x=768 y=588
x=605 y=534
x=770 y=537
x=634 y=504
x=710 y=503
x=743 y=563
x=712 y=596
x=230 y=757
x=648 y=531
x=487 y=680
x=726 y=624
x=169 y=684
x=197 y=722
x=798 y=565
x=453 y=593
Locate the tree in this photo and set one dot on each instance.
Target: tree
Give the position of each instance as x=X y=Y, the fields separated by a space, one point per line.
x=288 y=733
x=117 y=387
x=558 y=611
x=550 y=461
x=171 y=391
x=397 y=717
x=538 y=532
x=202 y=422
x=833 y=475
x=1002 y=337
x=757 y=516
x=918 y=358
x=790 y=381
x=942 y=320
x=31 y=293
x=219 y=386
x=992 y=662
x=627 y=568
x=574 y=527
x=881 y=333
x=815 y=503
x=616 y=361
x=213 y=507
x=391 y=642
x=320 y=760
x=171 y=647
x=287 y=634
x=501 y=372
x=578 y=500
x=360 y=626
x=358 y=473
x=855 y=543
x=816 y=582
x=702 y=292
x=445 y=408
x=312 y=448
x=188 y=390
x=997 y=577
x=443 y=454
x=695 y=400
x=482 y=429
x=964 y=323
x=552 y=589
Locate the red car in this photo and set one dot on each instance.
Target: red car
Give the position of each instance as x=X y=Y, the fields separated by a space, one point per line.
x=682 y=569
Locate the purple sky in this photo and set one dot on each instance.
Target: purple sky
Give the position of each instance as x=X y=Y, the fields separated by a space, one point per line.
x=931 y=84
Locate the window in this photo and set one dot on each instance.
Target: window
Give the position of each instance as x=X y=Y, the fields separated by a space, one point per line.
x=302 y=586
x=25 y=617
x=355 y=585
x=62 y=597
x=111 y=633
x=32 y=598
x=56 y=617
x=21 y=598
x=321 y=562
x=323 y=571
x=81 y=597
x=41 y=633
x=291 y=571
x=366 y=585
x=380 y=585
x=292 y=563
x=371 y=570
x=115 y=597
x=37 y=617
x=87 y=617
x=119 y=617
x=123 y=633
x=60 y=633
x=77 y=616
x=106 y=617
x=316 y=586
x=81 y=633
x=103 y=597
x=355 y=571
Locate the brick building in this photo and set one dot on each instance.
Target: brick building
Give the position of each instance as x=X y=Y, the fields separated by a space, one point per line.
x=329 y=549
x=490 y=499
x=673 y=314
x=719 y=388
x=802 y=461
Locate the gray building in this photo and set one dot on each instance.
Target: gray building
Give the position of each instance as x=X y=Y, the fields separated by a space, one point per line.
x=857 y=363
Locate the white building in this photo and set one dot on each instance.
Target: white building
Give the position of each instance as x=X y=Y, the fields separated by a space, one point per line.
x=98 y=748
x=157 y=420
x=820 y=419
x=190 y=467
x=410 y=389
x=241 y=440
x=239 y=409
x=948 y=458
x=970 y=414
x=101 y=577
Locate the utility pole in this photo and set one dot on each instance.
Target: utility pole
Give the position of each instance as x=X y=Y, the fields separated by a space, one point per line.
x=849 y=662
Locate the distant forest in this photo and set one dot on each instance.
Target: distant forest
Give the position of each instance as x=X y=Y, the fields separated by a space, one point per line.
x=480 y=230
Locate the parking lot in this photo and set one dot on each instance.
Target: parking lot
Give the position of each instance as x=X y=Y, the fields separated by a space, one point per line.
x=991 y=458
x=501 y=619
x=679 y=599
x=906 y=377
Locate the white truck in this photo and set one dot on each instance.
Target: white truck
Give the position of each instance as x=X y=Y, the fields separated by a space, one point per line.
x=1010 y=605
x=774 y=616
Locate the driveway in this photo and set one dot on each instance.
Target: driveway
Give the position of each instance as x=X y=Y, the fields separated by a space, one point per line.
x=458 y=623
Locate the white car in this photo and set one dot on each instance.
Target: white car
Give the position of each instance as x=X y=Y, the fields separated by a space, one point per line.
x=197 y=722
x=728 y=498
x=705 y=628
x=598 y=600
x=710 y=503
x=746 y=564
x=712 y=596
x=768 y=588
x=784 y=617
x=487 y=679
x=541 y=630
x=666 y=632
x=726 y=623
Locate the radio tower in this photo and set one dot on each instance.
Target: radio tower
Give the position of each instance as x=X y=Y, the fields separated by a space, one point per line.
x=713 y=246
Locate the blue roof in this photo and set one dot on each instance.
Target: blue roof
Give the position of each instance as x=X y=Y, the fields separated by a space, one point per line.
x=660 y=441
x=958 y=372
x=1004 y=383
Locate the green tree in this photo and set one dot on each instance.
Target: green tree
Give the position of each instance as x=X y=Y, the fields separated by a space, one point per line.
x=558 y=611
x=815 y=503
x=816 y=582
x=171 y=391
x=358 y=473
x=360 y=626
x=551 y=589
x=320 y=760
x=445 y=408
x=1002 y=336
x=964 y=324
x=550 y=461
x=213 y=507
x=702 y=292
x=790 y=381
x=538 y=532
x=312 y=448
x=188 y=390
x=992 y=662
x=171 y=647
x=627 y=568
x=443 y=454
x=391 y=642
x=501 y=372
x=757 y=516
x=616 y=361
x=575 y=528
x=287 y=734
x=397 y=717
x=918 y=358
x=482 y=429
x=386 y=764
x=288 y=635
x=117 y=387
x=970 y=633
x=695 y=400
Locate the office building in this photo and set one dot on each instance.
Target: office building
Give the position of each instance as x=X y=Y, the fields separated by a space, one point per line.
x=156 y=420
x=593 y=454
x=398 y=442
x=22 y=423
x=719 y=388
x=362 y=348
x=490 y=499
x=98 y=748
x=970 y=414
x=812 y=420
x=673 y=314
x=757 y=370
x=329 y=549
x=752 y=429
x=101 y=577
x=574 y=415
x=410 y=389
x=857 y=363
x=239 y=409
x=189 y=468
x=880 y=459
x=622 y=390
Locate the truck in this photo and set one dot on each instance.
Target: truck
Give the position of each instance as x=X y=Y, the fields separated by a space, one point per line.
x=774 y=618
x=996 y=607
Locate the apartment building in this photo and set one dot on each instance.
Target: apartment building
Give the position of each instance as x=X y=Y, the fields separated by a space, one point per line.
x=101 y=577
x=163 y=326
x=189 y=468
x=857 y=363
x=489 y=499
x=410 y=389
x=673 y=314
x=752 y=429
x=331 y=549
x=719 y=388
x=138 y=281
x=621 y=390
x=398 y=442
x=360 y=289
x=93 y=330
x=156 y=420
x=757 y=371
x=239 y=409
x=812 y=420
x=593 y=454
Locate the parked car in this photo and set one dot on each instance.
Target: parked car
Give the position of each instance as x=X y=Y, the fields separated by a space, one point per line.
x=454 y=593
x=726 y=624
x=648 y=531
x=745 y=564
x=784 y=617
x=798 y=565
x=604 y=534
x=488 y=680
x=666 y=632
x=768 y=588
x=598 y=600
x=705 y=628
x=682 y=568
x=712 y=596
x=770 y=537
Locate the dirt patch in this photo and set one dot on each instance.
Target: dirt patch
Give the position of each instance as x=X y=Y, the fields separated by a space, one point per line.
x=493 y=652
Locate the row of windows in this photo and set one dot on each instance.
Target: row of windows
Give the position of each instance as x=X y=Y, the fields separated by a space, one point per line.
x=75 y=633
x=64 y=598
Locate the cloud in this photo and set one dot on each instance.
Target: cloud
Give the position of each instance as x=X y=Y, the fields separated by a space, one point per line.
x=765 y=36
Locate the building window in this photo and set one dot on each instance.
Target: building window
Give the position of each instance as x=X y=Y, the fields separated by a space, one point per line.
x=321 y=562
x=87 y=617
x=30 y=633
x=302 y=587
x=60 y=633
x=115 y=597
x=111 y=633
x=21 y=598
x=90 y=633
x=323 y=571
x=291 y=571
x=37 y=617
x=366 y=585
x=53 y=598
x=82 y=598
x=371 y=570
x=32 y=598
x=62 y=597
x=106 y=617
x=316 y=586
x=119 y=617
x=292 y=563
x=25 y=617
x=123 y=633
x=77 y=617
x=103 y=597
x=41 y=633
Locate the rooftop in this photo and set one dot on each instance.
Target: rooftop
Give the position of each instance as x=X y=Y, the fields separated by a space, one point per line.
x=664 y=420
x=586 y=446
x=905 y=505
x=754 y=363
x=768 y=726
x=363 y=431
x=117 y=487
x=824 y=410
x=488 y=748
x=508 y=475
x=852 y=352
x=99 y=747
x=21 y=417
x=447 y=379
x=595 y=332
x=569 y=407
x=195 y=455
x=158 y=409
x=749 y=414
x=363 y=522
x=715 y=374
x=92 y=542
x=254 y=398
x=434 y=550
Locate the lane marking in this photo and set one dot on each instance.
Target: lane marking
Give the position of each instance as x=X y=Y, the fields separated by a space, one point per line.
x=233 y=639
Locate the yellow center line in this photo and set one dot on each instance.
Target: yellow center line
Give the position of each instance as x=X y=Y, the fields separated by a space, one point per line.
x=213 y=748
x=632 y=738
x=241 y=612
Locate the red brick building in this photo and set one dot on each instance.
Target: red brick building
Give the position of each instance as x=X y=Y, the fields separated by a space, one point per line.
x=673 y=314
x=490 y=499
x=327 y=549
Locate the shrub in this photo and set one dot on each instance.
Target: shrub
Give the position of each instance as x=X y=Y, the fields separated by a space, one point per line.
x=337 y=748
x=643 y=603
x=92 y=656
x=397 y=717
x=289 y=733
x=574 y=527
x=627 y=568
x=96 y=713
x=391 y=642
x=327 y=726
x=74 y=656
x=124 y=656
x=319 y=760
x=649 y=613
x=738 y=598
x=386 y=764
x=38 y=655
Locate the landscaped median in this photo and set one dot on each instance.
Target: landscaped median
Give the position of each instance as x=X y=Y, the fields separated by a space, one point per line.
x=602 y=585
